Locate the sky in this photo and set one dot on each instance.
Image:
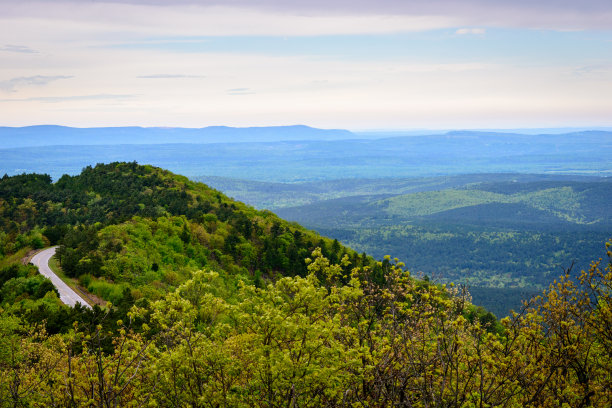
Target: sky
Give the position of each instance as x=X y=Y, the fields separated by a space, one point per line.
x=352 y=64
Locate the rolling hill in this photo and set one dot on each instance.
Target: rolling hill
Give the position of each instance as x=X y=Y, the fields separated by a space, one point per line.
x=493 y=232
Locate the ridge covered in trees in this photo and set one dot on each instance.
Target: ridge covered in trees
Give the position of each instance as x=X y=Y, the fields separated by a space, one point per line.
x=124 y=224
x=213 y=303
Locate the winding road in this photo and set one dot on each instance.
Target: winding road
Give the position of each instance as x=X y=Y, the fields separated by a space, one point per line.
x=67 y=295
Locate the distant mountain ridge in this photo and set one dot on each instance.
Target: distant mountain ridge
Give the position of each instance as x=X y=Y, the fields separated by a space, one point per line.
x=53 y=135
x=301 y=153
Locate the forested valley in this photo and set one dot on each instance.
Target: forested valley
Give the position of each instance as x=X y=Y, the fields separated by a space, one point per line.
x=505 y=235
x=203 y=301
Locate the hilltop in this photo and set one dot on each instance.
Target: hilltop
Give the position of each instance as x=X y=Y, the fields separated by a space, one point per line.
x=125 y=226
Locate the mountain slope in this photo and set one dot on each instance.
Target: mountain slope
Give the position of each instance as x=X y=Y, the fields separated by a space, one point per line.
x=193 y=324
x=506 y=234
x=123 y=227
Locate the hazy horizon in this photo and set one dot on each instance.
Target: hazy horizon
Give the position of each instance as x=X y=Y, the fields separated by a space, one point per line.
x=357 y=131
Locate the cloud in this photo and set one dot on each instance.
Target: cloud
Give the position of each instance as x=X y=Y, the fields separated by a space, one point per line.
x=593 y=70
x=553 y=14
x=18 y=48
x=169 y=76
x=55 y=99
x=308 y=17
x=367 y=6
x=240 y=91
x=11 y=85
x=474 y=31
x=286 y=49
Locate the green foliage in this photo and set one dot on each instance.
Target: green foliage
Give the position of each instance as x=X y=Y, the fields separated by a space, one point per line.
x=489 y=235
x=124 y=225
x=317 y=342
x=20 y=282
x=217 y=304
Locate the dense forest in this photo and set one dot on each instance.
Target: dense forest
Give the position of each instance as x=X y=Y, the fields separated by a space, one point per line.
x=128 y=226
x=514 y=233
x=212 y=303
x=506 y=235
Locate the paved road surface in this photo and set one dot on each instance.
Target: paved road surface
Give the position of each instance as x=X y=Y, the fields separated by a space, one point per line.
x=67 y=295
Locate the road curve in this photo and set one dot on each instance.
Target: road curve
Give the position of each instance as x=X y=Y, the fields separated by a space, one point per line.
x=67 y=295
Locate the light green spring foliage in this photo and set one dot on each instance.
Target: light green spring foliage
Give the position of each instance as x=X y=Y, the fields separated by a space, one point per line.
x=152 y=257
x=312 y=342
x=151 y=253
x=562 y=202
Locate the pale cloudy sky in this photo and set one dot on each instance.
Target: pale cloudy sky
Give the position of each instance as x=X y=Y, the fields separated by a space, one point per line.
x=385 y=64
